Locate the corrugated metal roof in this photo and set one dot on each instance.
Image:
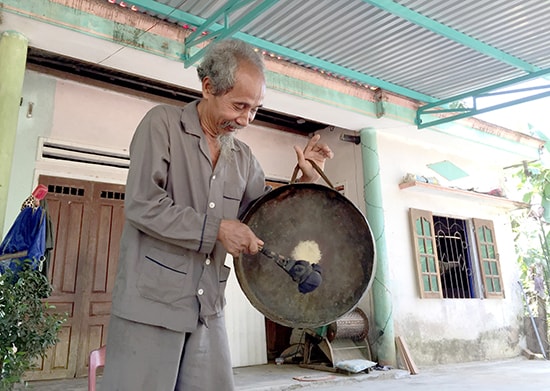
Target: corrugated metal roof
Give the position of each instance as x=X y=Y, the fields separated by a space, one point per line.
x=436 y=49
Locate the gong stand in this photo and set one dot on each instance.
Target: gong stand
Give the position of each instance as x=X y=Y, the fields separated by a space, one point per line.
x=345 y=339
x=311 y=224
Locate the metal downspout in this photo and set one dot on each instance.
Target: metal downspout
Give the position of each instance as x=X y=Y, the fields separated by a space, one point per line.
x=384 y=341
x=13 y=58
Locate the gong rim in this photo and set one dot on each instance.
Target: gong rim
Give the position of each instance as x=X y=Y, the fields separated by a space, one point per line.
x=286 y=217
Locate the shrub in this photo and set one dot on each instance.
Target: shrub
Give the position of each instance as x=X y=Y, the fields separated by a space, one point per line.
x=28 y=326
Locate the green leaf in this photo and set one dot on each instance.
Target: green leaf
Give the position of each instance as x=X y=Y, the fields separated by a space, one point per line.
x=28 y=327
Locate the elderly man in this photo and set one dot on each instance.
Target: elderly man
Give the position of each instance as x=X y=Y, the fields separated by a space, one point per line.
x=189 y=181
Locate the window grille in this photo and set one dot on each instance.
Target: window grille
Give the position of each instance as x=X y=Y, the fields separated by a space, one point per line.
x=446 y=252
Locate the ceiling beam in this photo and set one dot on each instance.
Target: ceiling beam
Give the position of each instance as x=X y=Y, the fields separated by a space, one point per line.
x=442 y=108
x=278 y=50
x=197 y=37
x=450 y=33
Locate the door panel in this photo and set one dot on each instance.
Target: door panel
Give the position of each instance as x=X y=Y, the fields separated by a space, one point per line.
x=106 y=222
x=87 y=218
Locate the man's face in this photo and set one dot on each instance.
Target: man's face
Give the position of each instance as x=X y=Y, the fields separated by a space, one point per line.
x=237 y=108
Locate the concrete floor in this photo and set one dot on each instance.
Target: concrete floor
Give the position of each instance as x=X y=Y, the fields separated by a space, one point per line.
x=510 y=375
x=517 y=374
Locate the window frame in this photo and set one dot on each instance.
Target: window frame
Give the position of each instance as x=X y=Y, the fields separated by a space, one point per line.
x=428 y=242
x=482 y=245
x=488 y=269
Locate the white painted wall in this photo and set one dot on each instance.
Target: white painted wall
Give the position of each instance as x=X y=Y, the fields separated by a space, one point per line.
x=447 y=330
x=93 y=116
x=38 y=91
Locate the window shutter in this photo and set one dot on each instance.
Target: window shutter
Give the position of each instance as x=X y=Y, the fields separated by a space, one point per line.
x=427 y=263
x=488 y=258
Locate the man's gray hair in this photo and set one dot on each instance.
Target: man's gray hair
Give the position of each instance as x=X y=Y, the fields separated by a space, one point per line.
x=221 y=61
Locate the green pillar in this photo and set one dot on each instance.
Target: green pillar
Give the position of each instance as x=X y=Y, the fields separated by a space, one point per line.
x=13 y=57
x=384 y=340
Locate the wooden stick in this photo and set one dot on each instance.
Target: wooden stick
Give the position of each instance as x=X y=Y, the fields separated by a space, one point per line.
x=413 y=369
x=18 y=254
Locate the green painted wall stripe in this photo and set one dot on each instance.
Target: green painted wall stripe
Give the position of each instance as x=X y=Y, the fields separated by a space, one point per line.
x=441 y=29
x=402 y=114
x=94 y=26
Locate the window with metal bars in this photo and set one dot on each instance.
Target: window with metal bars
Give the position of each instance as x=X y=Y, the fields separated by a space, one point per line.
x=455 y=258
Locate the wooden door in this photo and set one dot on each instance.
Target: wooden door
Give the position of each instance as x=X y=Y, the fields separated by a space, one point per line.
x=106 y=222
x=87 y=219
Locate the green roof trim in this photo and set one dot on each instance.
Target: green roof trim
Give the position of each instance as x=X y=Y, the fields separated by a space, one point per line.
x=431 y=110
x=290 y=54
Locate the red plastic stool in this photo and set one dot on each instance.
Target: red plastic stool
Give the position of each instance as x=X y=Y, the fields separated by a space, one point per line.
x=97 y=359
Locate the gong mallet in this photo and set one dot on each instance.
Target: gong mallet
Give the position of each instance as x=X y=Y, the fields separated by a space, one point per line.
x=307 y=275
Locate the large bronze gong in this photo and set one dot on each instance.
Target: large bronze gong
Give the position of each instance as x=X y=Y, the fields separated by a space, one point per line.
x=318 y=224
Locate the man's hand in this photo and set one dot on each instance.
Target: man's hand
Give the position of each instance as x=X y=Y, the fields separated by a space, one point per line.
x=238 y=238
x=318 y=152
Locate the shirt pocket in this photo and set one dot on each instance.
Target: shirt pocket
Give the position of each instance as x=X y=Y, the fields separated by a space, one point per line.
x=164 y=277
x=232 y=196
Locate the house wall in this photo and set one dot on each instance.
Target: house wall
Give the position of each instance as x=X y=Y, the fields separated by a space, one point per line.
x=446 y=330
x=437 y=331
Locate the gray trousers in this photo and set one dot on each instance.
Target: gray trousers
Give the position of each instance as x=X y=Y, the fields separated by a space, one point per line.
x=141 y=357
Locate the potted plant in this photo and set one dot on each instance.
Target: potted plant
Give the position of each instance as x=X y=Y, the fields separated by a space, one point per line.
x=28 y=327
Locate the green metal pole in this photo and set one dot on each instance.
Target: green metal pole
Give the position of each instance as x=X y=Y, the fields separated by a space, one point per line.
x=13 y=57
x=384 y=342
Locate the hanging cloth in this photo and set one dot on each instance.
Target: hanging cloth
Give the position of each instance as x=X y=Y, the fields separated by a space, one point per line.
x=25 y=243
x=44 y=267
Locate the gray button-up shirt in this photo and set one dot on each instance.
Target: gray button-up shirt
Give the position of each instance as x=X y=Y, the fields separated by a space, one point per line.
x=171 y=269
